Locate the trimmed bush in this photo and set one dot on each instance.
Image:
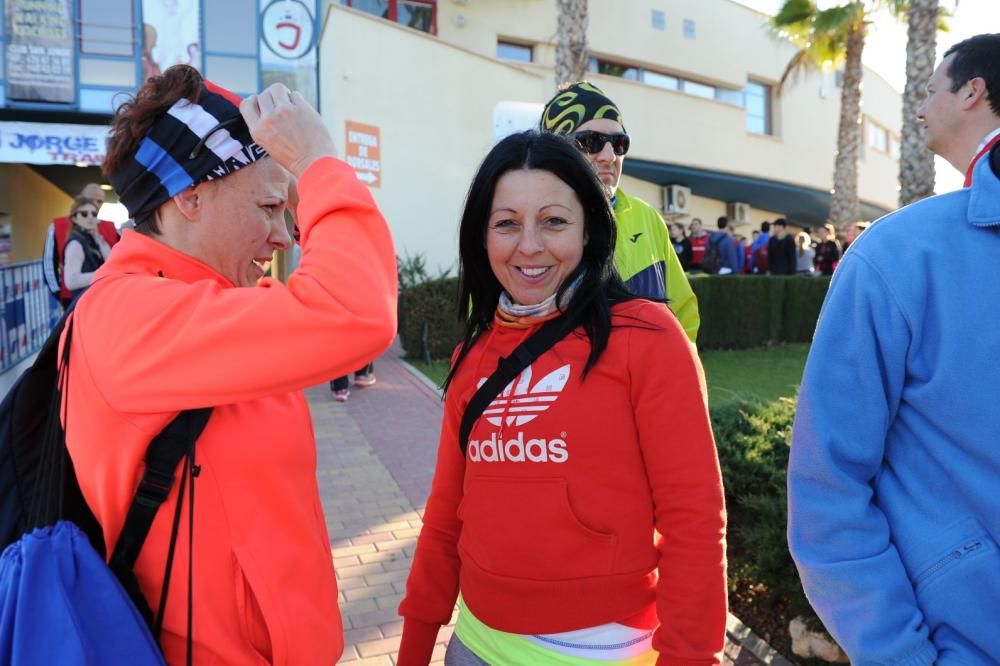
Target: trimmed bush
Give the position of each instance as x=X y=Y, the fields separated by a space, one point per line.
x=737 y=312
x=428 y=325
x=754 y=440
x=743 y=312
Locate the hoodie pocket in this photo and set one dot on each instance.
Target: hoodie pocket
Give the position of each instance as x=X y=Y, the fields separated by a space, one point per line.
x=526 y=528
x=251 y=617
x=958 y=591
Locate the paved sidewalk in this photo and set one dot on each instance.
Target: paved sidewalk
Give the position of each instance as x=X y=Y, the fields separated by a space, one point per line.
x=376 y=456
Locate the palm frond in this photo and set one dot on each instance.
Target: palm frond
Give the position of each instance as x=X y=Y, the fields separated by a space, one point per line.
x=794 y=12
x=802 y=62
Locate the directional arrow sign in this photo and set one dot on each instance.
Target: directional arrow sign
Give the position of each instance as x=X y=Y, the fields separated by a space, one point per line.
x=364 y=152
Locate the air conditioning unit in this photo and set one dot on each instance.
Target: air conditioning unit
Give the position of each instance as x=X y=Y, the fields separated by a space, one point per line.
x=676 y=199
x=738 y=212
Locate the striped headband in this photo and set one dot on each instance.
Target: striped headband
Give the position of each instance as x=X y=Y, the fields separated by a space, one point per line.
x=192 y=143
x=576 y=105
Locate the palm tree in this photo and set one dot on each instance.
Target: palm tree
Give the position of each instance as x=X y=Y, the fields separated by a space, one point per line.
x=571 y=41
x=916 y=162
x=834 y=35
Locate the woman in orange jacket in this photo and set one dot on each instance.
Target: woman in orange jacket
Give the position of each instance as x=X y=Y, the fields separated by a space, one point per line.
x=182 y=317
x=585 y=520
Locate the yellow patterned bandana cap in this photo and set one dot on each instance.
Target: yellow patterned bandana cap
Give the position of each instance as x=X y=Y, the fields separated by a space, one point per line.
x=576 y=105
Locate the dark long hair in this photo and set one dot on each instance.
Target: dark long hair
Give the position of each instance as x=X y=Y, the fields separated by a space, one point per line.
x=600 y=286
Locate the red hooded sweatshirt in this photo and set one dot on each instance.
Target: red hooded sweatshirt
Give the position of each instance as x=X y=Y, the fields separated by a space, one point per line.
x=552 y=520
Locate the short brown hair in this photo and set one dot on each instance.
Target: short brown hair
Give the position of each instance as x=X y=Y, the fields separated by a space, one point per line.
x=137 y=114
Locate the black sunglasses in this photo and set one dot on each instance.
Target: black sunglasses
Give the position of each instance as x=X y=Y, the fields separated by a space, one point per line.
x=593 y=142
x=87 y=213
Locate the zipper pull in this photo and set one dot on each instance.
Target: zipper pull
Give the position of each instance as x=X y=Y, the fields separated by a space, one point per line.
x=969 y=548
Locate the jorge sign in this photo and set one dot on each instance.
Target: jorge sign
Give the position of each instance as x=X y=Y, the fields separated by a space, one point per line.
x=49 y=143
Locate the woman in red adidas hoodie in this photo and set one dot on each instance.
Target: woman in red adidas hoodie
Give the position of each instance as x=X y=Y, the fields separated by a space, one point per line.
x=586 y=520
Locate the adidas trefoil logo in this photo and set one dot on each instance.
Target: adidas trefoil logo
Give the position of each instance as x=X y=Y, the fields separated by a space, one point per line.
x=522 y=404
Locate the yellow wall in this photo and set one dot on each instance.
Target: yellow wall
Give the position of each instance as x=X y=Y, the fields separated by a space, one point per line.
x=32 y=202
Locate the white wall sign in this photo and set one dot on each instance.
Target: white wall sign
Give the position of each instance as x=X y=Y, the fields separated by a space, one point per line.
x=51 y=143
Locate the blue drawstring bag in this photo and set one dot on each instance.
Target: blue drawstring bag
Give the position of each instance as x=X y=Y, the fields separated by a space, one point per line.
x=62 y=595
x=61 y=604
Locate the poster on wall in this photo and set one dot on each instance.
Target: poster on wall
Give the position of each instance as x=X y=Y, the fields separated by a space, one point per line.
x=170 y=35
x=288 y=45
x=40 y=51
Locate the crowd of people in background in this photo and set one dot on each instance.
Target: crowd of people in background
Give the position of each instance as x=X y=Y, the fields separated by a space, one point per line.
x=771 y=250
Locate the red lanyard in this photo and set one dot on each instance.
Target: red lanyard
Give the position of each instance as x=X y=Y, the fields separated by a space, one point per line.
x=987 y=148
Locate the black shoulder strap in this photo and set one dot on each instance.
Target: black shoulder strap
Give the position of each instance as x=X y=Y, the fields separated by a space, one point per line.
x=163 y=455
x=508 y=368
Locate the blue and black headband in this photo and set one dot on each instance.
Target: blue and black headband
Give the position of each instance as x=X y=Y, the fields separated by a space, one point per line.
x=193 y=142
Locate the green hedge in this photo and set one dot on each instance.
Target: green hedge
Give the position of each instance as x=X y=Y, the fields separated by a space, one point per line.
x=428 y=324
x=744 y=312
x=737 y=312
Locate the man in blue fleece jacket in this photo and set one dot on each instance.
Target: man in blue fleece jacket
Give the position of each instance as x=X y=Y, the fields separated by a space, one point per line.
x=894 y=473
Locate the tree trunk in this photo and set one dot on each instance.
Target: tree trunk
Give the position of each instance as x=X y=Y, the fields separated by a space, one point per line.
x=844 y=205
x=571 y=45
x=916 y=162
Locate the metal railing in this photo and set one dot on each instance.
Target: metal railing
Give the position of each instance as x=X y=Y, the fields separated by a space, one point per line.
x=28 y=312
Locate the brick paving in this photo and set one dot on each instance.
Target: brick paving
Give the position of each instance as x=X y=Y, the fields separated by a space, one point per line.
x=376 y=456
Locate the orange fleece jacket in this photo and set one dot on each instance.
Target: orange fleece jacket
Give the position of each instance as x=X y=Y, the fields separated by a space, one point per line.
x=552 y=521
x=160 y=332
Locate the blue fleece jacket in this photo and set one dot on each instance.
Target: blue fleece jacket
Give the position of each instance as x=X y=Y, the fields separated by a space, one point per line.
x=727 y=250
x=894 y=474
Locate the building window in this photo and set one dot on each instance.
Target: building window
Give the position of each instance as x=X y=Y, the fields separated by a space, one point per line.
x=231 y=27
x=660 y=80
x=107 y=72
x=232 y=72
x=107 y=27
x=730 y=96
x=418 y=14
x=622 y=71
x=689 y=29
x=658 y=20
x=515 y=52
x=698 y=89
x=666 y=81
x=878 y=137
x=757 y=98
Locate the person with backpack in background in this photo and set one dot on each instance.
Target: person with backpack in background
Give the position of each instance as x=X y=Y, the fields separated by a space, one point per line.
x=181 y=317
x=759 y=264
x=720 y=251
x=55 y=244
x=578 y=514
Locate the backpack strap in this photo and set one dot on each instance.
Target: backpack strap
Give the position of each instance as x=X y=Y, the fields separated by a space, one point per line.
x=508 y=368
x=163 y=455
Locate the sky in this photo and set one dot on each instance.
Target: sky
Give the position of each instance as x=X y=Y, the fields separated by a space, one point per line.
x=885 y=49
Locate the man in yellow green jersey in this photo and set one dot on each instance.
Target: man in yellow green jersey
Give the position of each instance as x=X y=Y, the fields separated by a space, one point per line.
x=644 y=254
